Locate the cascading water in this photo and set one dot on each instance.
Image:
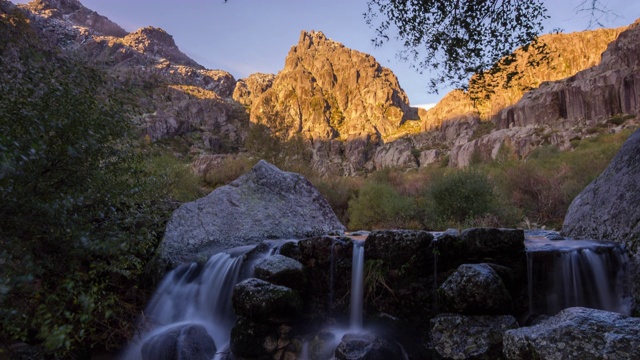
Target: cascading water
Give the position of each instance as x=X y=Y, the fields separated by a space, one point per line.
x=192 y=295
x=568 y=273
x=357 y=285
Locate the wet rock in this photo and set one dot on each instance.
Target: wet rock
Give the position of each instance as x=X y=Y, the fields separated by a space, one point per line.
x=265 y=203
x=576 y=333
x=470 y=337
x=475 y=289
x=366 y=347
x=251 y=340
x=397 y=248
x=327 y=264
x=190 y=341
x=492 y=240
x=260 y=301
x=281 y=270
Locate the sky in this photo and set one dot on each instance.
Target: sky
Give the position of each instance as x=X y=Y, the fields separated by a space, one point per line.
x=249 y=36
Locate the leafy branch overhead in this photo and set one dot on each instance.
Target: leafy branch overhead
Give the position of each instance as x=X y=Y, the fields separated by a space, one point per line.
x=453 y=40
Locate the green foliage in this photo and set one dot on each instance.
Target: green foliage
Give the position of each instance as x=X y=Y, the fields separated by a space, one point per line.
x=228 y=170
x=81 y=213
x=379 y=205
x=455 y=39
x=460 y=196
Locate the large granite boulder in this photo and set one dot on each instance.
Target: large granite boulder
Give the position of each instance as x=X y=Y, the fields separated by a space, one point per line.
x=607 y=209
x=470 y=337
x=265 y=203
x=475 y=289
x=576 y=333
x=187 y=341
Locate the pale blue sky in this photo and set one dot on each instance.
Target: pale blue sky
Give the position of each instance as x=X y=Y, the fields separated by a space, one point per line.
x=247 y=36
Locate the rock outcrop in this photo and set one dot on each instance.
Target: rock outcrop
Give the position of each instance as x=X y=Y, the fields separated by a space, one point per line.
x=265 y=203
x=281 y=270
x=576 y=333
x=607 y=209
x=329 y=92
x=470 y=337
x=597 y=93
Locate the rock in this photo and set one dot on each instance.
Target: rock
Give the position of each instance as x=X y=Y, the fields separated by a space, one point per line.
x=249 y=89
x=475 y=289
x=366 y=347
x=607 y=209
x=315 y=96
x=157 y=42
x=576 y=333
x=186 y=341
x=398 y=248
x=250 y=340
x=395 y=153
x=492 y=240
x=327 y=264
x=516 y=142
x=260 y=301
x=599 y=92
x=282 y=270
x=470 y=337
x=428 y=157
x=265 y=203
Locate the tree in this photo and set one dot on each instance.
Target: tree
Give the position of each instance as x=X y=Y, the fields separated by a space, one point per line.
x=455 y=39
x=80 y=213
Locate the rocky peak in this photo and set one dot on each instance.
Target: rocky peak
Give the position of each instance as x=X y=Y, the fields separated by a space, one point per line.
x=76 y=14
x=343 y=101
x=157 y=42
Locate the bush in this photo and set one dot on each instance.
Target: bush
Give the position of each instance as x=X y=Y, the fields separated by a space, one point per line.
x=379 y=205
x=80 y=212
x=459 y=197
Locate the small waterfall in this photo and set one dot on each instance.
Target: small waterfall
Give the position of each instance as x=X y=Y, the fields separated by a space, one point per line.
x=190 y=294
x=583 y=273
x=357 y=285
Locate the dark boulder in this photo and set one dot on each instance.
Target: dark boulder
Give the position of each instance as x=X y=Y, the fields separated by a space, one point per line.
x=475 y=289
x=261 y=301
x=186 y=341
x=281 y=270
x=576 y=333
x=367 y=347
x=251 y=340
x=470 y=337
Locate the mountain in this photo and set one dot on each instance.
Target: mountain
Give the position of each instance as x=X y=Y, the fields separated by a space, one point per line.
x=343 y=112
x=342 y=101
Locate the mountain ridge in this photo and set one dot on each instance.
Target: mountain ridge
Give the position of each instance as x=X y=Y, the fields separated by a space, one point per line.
x=349 y=111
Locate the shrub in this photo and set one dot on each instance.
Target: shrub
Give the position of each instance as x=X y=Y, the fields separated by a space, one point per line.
x=460 y=196
x=379 y=205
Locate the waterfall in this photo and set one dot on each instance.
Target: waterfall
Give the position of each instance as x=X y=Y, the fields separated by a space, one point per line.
x=583 y=273
x=194 y=294
x=357 y=285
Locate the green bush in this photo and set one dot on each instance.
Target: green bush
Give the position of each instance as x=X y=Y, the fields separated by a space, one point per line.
x=459 y=197
x=379 y=205
x=80 y=213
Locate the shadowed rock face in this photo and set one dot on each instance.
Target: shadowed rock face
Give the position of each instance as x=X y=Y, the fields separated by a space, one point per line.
x=265 y=203
x=607 y=209
x=610 y=88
